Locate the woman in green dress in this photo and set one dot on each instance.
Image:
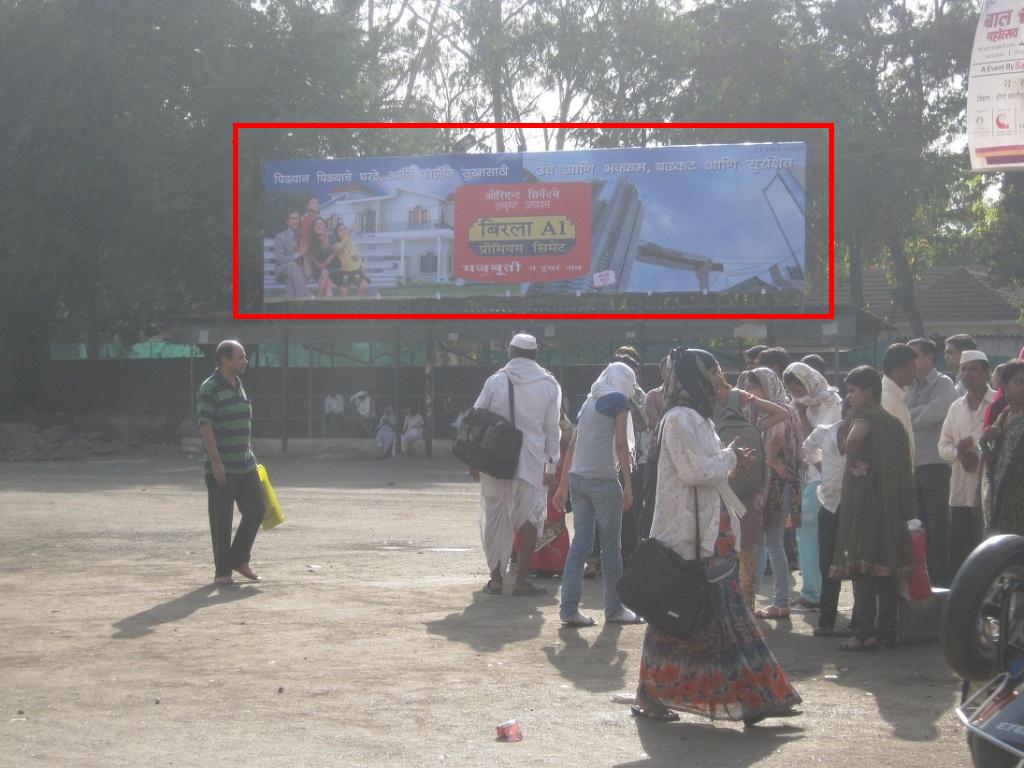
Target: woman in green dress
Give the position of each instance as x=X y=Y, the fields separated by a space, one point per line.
x=873 y=545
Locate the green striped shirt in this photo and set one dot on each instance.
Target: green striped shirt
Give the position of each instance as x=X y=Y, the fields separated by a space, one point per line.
x=229 y=412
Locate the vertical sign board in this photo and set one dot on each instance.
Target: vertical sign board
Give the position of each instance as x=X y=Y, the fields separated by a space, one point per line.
x=995 y=91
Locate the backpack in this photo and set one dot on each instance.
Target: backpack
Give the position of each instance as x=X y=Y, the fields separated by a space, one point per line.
x=731 y=423
x=489 y=443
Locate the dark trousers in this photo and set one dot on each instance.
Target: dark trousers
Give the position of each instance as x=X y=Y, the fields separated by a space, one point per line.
x=828 y=527
x=246 y=491
x=964 y=535
x=933 y=512
x=874 y=606
x=632 y=517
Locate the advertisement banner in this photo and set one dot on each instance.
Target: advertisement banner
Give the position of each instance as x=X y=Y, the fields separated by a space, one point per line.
x=995 y=90
x=674 y=219
x=516 y=233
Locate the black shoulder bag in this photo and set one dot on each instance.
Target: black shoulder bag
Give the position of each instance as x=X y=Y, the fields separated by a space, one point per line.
x=667 y=590
x=489 y=443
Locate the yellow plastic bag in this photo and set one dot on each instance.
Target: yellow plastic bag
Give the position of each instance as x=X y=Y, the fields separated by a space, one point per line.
x=272 y=515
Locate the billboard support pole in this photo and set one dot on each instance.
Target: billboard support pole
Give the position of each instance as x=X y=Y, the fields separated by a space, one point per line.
x=398 y=372
x=428 y=417
x=284 y=389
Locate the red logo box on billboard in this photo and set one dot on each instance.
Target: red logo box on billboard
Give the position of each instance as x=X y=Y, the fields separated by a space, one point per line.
x=515 y=233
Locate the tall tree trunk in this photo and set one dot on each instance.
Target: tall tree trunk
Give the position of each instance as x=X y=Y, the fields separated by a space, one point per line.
x=904 y=292
x=497 y=35
x=857 y=270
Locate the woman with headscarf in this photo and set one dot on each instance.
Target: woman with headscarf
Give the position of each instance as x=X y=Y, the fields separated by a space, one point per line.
x=598 y=454
x=724 y=670
x=1002 y=446
x=783 y=454
x=818 y=405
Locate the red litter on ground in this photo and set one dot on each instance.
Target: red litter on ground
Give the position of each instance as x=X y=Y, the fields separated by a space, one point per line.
x=510 y=731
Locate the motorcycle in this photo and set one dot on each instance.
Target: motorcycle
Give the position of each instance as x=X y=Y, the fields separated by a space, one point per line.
x=983 y=640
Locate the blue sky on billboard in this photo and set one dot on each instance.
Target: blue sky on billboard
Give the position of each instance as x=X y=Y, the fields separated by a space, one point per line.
x=738 y=206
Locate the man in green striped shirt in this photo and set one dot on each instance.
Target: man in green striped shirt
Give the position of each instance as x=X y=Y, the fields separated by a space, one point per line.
x=225 y=425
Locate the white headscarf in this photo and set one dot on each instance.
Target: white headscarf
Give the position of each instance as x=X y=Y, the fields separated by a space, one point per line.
x=617 y=377
x=820 y=397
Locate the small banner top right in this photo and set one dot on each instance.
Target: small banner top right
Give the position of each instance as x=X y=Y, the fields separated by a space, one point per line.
x=995 y=91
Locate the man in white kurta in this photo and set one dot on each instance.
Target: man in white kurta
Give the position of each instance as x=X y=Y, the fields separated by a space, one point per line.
x=899 y=366
x=958 y=445
x=520 y=504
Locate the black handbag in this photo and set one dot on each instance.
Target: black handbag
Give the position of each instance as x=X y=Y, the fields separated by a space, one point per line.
x=490 y=443
x=667 y=590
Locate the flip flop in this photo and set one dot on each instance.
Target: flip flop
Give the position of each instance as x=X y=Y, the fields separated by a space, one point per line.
x=491 y=589
x=662 y=714
x=247 y=572
x=578 y=620
x=772 y=612
x=223 y=581
x=862 y=646
x=529 y=589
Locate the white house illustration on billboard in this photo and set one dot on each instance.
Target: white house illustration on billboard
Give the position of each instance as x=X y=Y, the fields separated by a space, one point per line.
x=403 y=236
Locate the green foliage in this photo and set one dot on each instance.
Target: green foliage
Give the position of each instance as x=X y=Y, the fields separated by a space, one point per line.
x=115 y=133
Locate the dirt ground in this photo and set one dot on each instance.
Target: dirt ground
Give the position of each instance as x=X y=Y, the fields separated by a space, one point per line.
x=369 y=643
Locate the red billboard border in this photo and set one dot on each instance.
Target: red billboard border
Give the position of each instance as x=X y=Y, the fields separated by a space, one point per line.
x=237 y=314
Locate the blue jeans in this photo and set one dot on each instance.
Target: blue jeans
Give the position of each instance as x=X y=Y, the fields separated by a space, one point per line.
x=774 y=550
x=807 y=544
x=595 y=503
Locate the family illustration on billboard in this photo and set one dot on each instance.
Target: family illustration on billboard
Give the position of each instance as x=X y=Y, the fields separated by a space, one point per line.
x=707 y=219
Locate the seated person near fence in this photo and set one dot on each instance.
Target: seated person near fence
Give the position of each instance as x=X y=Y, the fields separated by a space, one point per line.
x=385 y=436
x=351 y=263
x=412 y=429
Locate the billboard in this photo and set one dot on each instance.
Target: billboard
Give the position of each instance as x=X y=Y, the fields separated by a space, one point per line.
x=675 y=219
x=995 y=89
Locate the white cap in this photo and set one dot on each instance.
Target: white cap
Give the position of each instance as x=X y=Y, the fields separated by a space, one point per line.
x=969 y=355
x=523 y=341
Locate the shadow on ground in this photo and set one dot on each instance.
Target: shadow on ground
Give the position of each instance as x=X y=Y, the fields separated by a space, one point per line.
x=491 y=622
x=590 y=659
x=143 y=623
x=722 y=744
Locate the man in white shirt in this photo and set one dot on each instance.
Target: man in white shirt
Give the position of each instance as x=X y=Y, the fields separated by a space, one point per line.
x=334 y=409
x=958 y=445
x=832 y=464
x=899 y=366
x=928 y=401
x=520 y=504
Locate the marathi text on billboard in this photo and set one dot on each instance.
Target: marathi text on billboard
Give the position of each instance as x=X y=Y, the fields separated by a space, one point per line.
x=995 y=90
x=677 y=219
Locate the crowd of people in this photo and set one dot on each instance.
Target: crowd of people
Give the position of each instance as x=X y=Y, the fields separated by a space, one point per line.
x=838 y=482
x=830 y=483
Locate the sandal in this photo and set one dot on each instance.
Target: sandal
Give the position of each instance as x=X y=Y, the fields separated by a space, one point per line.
x=528 y=589
x=491 y=588
x=654 y=712
x=578 y=620
x=248 y=572
x=772 y=612
x=859 y=645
